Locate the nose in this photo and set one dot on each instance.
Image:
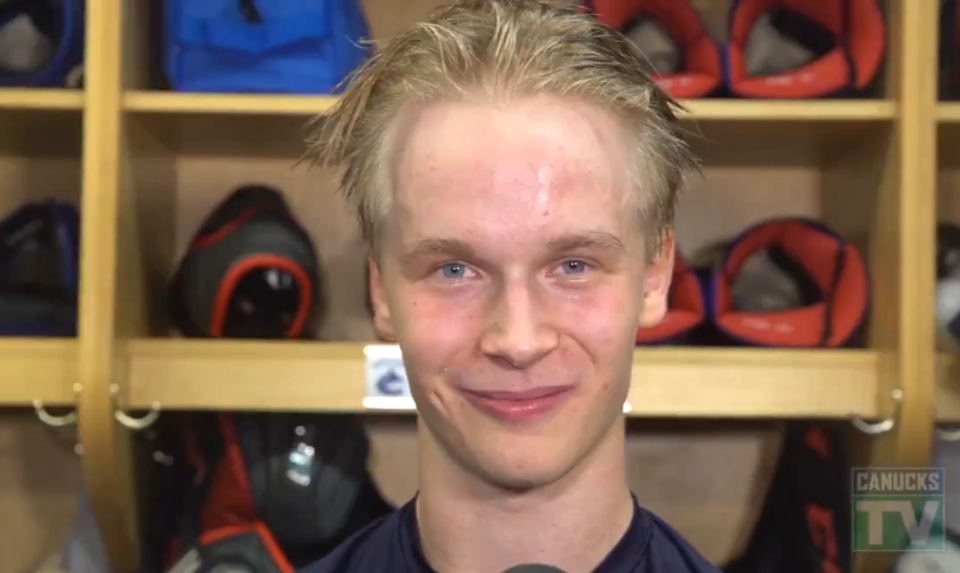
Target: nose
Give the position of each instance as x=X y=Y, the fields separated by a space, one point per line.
x=517 y=333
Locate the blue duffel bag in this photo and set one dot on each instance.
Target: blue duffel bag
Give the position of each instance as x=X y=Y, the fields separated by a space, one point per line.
x=263 y=46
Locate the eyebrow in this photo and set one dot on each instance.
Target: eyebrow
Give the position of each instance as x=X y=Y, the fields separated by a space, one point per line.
x=590 y=240
x=458 y=249
x=436 y=246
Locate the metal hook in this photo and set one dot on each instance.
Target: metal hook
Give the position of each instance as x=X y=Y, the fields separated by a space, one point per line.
x=883 y=426
x=51 y=420
x=128 y=421
x=138 y=424
x=949 y=435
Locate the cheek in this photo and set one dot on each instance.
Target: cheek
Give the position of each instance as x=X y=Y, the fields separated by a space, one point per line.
x=603 y=319
x=433 y=329
x=604 y=327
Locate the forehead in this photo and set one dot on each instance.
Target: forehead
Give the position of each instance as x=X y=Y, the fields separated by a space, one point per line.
x=520 y=161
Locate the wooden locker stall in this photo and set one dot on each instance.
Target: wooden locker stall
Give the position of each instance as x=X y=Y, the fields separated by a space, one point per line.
x=705 y=423
x=40 y=472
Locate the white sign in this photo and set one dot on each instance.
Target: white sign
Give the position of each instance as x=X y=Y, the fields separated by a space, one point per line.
x=387 y=387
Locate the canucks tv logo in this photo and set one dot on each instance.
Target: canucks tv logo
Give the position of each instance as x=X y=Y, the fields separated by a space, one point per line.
x=898 y=509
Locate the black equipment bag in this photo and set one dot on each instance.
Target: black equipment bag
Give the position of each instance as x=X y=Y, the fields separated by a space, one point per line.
x=251 y=271
x=804 y=526
x=39 y=270
x=284 y=489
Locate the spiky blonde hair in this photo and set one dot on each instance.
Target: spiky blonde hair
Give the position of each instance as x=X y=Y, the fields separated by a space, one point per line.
x=504 y=48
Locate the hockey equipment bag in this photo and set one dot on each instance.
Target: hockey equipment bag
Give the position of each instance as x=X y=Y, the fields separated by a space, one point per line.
x=251 y=271
x=804 y=526
x=265 y=46
x=39 y=270
x=287 y=488
x=41 y=43
x=698 y=70
x=248 y=548
x=846 y=40
x=828 y=274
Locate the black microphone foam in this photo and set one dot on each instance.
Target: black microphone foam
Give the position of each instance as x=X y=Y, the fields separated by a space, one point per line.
x=533 y=568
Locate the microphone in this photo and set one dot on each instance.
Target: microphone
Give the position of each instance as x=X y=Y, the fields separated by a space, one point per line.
x=533 y=568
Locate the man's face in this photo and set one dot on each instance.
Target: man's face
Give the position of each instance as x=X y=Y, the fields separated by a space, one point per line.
x=512 y=276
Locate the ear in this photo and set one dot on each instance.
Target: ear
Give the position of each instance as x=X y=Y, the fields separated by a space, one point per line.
x=382 y=322
x=658 y=275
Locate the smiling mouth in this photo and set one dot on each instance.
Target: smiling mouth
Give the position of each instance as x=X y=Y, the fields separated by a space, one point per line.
x=523 y=405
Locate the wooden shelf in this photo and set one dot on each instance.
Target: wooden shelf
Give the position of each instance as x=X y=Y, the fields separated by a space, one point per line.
x=707 y=383
x=220 y=124
x=41 y=122
x=789 y=111
x=754 y=383
x=948 y=112
x=202 y=103
x=54 y=99
x=948 y=404
x=705 y=109
x=948 y=388
x=38 y=369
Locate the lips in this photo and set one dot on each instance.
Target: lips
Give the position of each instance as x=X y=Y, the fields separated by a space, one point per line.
x=520 y=405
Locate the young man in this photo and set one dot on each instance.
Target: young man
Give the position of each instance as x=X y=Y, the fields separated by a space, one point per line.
x=515 y=175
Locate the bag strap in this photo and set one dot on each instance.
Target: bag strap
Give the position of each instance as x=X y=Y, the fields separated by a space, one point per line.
x=202 y=433
x=830 y=298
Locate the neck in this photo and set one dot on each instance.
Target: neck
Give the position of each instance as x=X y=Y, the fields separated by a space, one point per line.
x=471 y=526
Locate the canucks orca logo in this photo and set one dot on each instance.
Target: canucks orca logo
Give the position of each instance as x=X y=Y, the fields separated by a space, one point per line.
x=391 y=383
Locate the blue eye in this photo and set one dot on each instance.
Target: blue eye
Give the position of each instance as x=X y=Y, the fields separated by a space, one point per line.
x=574 y=267
x=454 y=271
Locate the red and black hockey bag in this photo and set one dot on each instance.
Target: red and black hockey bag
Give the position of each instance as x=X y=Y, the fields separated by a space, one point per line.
x=251 y=271
x=804 y=526
x=844 y=42
x=698 y=71
x=272 y=492
x=827 y=274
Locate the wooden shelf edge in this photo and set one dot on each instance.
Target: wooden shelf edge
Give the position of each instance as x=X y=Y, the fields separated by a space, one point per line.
x=790 y=110
x=948 y=388
x=702 y=110
x=52 y=99
x=236 y=104
x=948 y=112
x=696 y=383
x=755 y=383
x=38 y=369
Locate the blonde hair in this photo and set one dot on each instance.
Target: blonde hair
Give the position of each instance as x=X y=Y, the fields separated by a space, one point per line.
x=504 y=48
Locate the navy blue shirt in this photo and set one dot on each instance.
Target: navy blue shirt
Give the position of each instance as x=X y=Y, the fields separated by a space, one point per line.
x=392 y=545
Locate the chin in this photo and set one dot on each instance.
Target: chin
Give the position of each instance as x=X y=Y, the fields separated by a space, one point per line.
x=521 y=468
x=522 y=479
